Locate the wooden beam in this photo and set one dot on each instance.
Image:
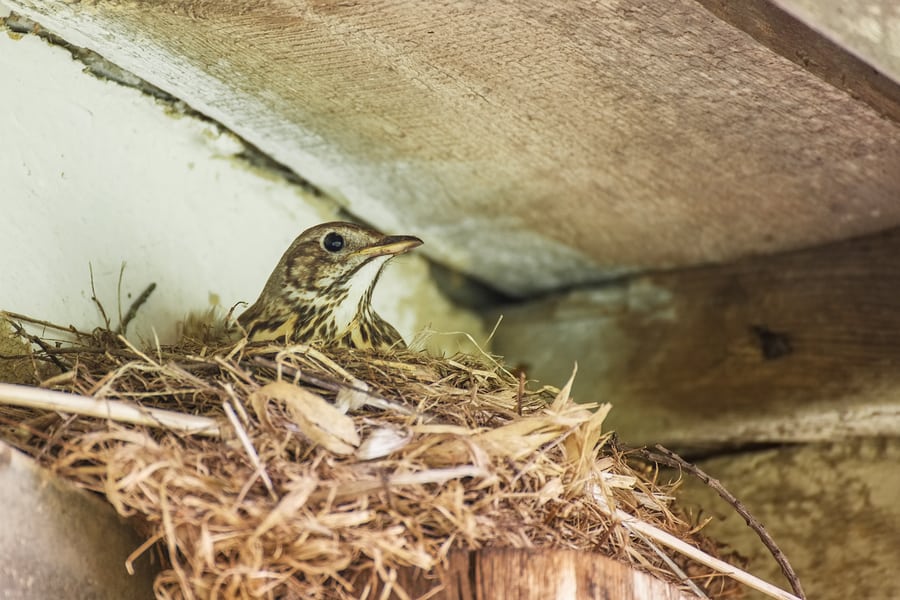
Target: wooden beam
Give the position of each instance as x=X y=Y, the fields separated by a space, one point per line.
x=799 y=347
x=537 y=574
x=531 y=144
x=800 y=42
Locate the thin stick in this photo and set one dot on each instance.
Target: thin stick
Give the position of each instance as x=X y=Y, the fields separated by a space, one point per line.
x=148 y=543
x=520 y=393
x=135 y=306
x=20 y=317
x=95 y=299
x=493 y=331
x=668 y=457
x=365 y=486
x=666 y=539
x=41 y=343
x=336 y=385
x=119 y=296
x=333 y=385
x=131 y=347
x=80 y=350
x=31 y=397
x=248 y=448
x=315 y=354
x=678 y=571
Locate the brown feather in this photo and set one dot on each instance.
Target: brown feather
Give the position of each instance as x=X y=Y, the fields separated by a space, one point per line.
x=321 y=292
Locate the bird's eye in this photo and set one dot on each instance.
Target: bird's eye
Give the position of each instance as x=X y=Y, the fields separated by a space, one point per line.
x=333 y=241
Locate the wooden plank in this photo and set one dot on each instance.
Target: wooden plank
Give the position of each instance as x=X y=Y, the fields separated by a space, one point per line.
x=520 y=574
x=867 y=30
x=799 y=347
x=531 y=144
x=866 y=71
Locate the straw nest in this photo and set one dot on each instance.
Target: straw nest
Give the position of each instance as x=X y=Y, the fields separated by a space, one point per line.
x=296 y=472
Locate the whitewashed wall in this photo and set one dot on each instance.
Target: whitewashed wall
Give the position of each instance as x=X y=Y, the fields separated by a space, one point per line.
x=96 y=173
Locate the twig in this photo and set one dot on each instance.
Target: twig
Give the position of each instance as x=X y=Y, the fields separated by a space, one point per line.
x=58 y=351
x=239 y=374
x=315 y=354
x=481 y=351
x=134 y=349
x=436 y=475
x=335 y=385
x=136 y=554
x=39 y=342
x=247 y=443
x=667 y=539
x=30 y=397
x=678 y=571
x=9 y=316
x=119 y=294
x=667 y=457
x=520 y=393
x=135 y=306
x=94 y=298
x=493 y=331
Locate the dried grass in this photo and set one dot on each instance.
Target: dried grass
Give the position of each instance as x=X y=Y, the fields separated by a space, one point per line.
x=287 y=496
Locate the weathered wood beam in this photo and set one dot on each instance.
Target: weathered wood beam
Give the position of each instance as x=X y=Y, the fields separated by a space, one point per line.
x=531 y=144
x=855 y=70
x=543 y=573
x=799 y=347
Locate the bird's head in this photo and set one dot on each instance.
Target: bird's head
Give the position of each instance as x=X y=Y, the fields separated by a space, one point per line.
x=323 y=284
x=335 y=257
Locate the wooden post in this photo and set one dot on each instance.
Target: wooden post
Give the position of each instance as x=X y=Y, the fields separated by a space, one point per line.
x=521 y=574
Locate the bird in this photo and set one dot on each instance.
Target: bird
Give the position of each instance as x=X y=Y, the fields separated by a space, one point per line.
x=321 y=289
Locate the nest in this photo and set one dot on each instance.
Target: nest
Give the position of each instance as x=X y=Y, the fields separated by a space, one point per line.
x=296 y=472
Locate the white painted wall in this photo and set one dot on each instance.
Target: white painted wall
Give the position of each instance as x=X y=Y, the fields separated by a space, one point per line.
x=96 y=173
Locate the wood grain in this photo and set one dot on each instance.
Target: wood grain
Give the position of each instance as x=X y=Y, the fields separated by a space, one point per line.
x=786 y=34
x=517 y=574
x=799 y=347
x=531 y=144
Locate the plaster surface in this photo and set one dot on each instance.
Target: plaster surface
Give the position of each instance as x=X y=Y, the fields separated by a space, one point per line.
x=96 y=175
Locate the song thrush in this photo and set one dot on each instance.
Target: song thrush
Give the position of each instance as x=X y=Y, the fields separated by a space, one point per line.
x=321 y=289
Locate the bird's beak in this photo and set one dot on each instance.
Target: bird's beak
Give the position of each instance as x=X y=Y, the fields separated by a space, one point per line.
x=392 y=244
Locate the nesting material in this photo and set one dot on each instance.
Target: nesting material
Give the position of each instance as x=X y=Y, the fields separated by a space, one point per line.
x=296 y=472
